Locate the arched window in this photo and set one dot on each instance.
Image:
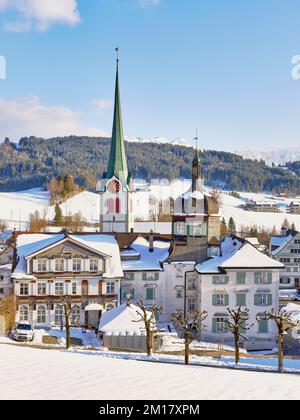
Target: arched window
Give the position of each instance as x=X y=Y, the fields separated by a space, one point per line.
x=110 y=308
x=41 y=315
x=58 y=314
x=75 y=316
x=110 y=206
x=24 y=313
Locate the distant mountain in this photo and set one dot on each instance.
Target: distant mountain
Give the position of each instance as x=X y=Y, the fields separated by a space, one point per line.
x=34 y=161
x=277 y=156
x=180 y=141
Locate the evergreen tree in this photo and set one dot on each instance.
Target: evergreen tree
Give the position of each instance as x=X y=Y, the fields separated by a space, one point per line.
x=232 y=226
x=58 y=219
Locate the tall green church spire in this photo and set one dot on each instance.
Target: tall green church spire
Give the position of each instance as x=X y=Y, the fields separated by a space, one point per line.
x=117 y=162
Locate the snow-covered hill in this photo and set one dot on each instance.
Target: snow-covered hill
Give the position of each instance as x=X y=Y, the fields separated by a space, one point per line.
x=278 y=156
x=180 y=141
x=15 y=208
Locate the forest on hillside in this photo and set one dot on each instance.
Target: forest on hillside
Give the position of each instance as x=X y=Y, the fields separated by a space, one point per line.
x=33 y=162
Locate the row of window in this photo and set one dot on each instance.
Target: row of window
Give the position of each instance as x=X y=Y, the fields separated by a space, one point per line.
x=145 y=276
x=149 y=293
x=190 y=229
x=290 y=260
x=241 y=278
x=59 y=288
x=260 y=299
x=58 y=315
x=61 y=265
x=220 y=326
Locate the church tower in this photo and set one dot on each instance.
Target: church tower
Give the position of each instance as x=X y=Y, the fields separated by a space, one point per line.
x=117 y=186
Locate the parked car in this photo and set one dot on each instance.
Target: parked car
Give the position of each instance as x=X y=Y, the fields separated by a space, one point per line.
x=24 y=332
x=296 y=298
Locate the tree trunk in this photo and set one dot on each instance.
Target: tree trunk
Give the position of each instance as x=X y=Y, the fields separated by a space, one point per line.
x=187 y=349
x=237 y=349
x=68 y=332
x=149 y=341
x=280 y=352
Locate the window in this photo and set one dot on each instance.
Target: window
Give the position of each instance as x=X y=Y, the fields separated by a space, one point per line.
x=220 y=279
x=263 y=278
x=285 y=260
x=191 y=305
x=58 y=315
x=84 y=287
x=263 y=299
x=74 y=288
x=150 y=293
x=129 y=276
x=59 y=289
x=263 y=326
x=42 y=289
x=24 y=289
x=59 y=264
x=127 y=293
x=220 y=325
x=41 y=315
x=93 y=264
x=150 y=276
x=241 y=299
x=42 y=265
x=109 y=308
x=77 y=264
x=24 y=313
x=110 y=288
x=192 y=284
x=240 y=278
x=285 y=280
x=220 y=300
x=179 y=293
x=181 y=229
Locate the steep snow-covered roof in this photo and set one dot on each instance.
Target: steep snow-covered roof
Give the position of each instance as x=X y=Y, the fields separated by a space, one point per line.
x=280 y=242
x=148 y=261
x=29 y=244
x=124 y=318
x=236 y=253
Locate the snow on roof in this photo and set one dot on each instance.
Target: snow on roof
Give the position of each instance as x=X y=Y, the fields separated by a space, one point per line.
x=294 y=312
x=29 y=244
x=253 y=241
x=193 y=194
x=149 y=261
x=236 y=253
x=124 y=318
x=280 y=242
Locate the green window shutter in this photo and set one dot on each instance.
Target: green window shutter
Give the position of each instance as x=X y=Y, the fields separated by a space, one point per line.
x=132 y=293
x=240 y=278
x=150 y=293
x=226 y=328
x=214 y=300
x=263 y=326
x=270 y=278
x=156 y=276
x=214 y=325
x=226 y=300
x=226 y=279
x=144 y=276
x=188 y=230
x=175 y=228
x=243 y=328
x=256 y=300
x=215 y=280
x=257 y=278
x=241 y=299
x=121 y=293
x=270 y=300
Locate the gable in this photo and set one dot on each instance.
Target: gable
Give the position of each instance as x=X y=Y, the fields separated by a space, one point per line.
x=67 y=249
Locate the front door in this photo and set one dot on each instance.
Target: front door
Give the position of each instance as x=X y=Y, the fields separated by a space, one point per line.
x=93 y=318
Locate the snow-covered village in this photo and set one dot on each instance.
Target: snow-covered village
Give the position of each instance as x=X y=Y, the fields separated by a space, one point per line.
x=146 y=268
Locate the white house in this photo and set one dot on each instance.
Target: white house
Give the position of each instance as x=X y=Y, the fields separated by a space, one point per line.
x=286 y=249
x=240 y=276
x=84 y=267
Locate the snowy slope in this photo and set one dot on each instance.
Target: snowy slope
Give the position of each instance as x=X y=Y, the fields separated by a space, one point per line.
x=16 y=207
x=29 y=374
x=279 y=156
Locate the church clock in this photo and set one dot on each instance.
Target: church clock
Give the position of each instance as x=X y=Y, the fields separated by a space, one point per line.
x=114 y=187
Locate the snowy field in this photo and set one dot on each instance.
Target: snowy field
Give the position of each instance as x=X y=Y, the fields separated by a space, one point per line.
x=29 y=374
x=16 y=207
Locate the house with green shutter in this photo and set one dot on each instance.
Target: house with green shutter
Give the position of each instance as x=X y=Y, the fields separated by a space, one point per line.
x=240 y=276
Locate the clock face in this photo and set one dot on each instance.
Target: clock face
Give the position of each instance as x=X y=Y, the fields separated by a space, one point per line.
x=114 y=187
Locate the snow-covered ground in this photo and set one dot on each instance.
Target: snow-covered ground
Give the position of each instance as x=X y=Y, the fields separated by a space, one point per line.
x=16 y=207
x=29 y=374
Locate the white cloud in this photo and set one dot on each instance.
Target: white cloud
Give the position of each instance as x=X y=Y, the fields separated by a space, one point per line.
x=40 y=14
x=145 y=3
x=102 y=104
x=29 y=117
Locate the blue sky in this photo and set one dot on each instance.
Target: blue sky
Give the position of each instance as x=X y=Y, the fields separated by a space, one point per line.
x=223 y=67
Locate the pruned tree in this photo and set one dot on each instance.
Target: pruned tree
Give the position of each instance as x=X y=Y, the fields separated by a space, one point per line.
x=66 y=302
x=149 y=316
x=191 y=328
x=8 y=310
x=237 y=326
x=283 y=323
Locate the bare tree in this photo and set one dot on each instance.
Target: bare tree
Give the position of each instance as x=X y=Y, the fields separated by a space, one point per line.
x=148 y=315
x=3 y=225
x=236 y=326
x=217 y=195
x=191 y=328
x=283 y=323
x=8 y=310
x=66 y=302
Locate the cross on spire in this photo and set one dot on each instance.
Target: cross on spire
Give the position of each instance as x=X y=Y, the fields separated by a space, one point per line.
x=196 y=139
x=117 y=49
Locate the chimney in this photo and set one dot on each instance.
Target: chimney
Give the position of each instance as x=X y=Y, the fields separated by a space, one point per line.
x=151 y=241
